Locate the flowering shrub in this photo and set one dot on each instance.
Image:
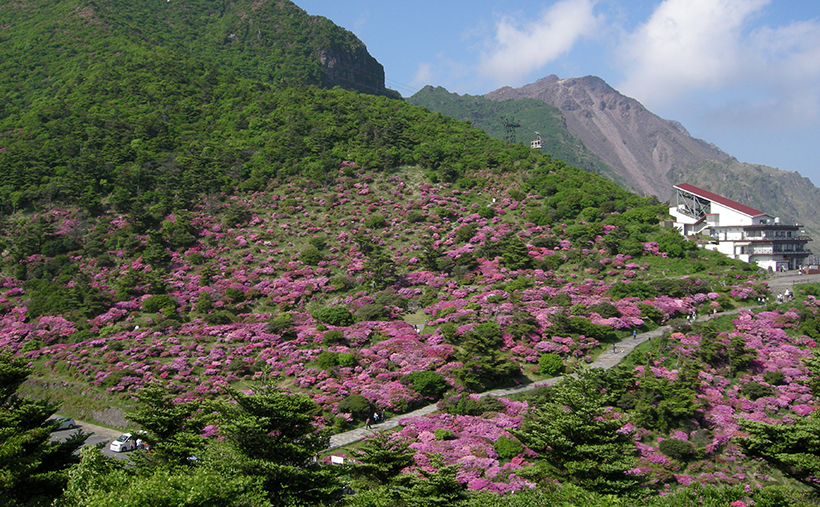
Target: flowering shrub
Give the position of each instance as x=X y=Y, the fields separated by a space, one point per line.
x=478 y=299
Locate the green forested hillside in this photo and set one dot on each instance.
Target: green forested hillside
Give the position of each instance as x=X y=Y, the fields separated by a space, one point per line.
x=236 y=259
x=532 y=115
x=97 y=112
x=272 y=41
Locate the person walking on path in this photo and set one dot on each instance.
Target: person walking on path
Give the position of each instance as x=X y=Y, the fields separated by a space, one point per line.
x=367 y=424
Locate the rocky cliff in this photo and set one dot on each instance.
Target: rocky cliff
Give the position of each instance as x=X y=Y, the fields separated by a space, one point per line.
x=641 y=147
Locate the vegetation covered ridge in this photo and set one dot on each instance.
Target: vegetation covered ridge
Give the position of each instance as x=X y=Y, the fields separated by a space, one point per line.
x=245 y=264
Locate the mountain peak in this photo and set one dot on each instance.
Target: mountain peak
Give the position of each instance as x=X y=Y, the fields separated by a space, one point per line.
x=637 y=144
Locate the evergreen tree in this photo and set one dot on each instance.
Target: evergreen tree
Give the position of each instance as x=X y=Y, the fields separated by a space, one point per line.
x=793 y=448
x=270 y=436
x=381 y=459
x=33 y=470
x=580 y=437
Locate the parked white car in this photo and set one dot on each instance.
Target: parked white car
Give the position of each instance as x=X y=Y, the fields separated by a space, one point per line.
x=65 y=423
x=125 y=442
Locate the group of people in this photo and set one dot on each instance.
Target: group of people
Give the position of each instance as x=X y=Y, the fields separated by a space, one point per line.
x=378 y=416
x=786 y=296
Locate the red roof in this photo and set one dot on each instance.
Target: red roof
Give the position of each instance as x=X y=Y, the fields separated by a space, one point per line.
x=741 y=208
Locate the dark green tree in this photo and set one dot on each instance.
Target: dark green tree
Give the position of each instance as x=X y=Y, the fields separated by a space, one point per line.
x=270 y=436
x=33 y=470
x=435 y=487
x=794 y=448
x=577 y=434
x=514 y=253
x=380 y=459
x=104 y=482
x=172 y=429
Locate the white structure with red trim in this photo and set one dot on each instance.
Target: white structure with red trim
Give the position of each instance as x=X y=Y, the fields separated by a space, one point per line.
x=737 y=230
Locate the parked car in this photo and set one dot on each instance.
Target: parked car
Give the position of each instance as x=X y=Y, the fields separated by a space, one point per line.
x=125 y=442
x=64 y=423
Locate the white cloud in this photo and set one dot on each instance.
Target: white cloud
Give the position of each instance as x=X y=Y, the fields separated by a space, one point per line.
x=690 y=47
x=423 y=76
x=520 y=48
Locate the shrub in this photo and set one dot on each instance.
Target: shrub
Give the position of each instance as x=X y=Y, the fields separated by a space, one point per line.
x=755 y=390
x=234 y=295
x=237 y=215
x=31 y=345
x=114 y=377
x=158 y=302
x=375 y=222
x=461 y=405
x=562 y=299
x=415 y=216
x=346 y=359
x=550 y=364
x=370 y=312
x=466 y=233
x=507 y=448
x=605 y=309
x=219 y=317
x=427 y=383
x=390 y=297
x=334 y=316
x=444 y=434
x=203 y=303
x=355 y=405
x=491 y=404
x=327 y=360
x=448 y=331
x=281 y=322
x=632 y=289
x=519 y=283
x=650 y=312
x=78 y=336
x=775 y=378
x=674 y=448
x=550 y=262
x=486 y=212
x=333 y=337
x=318 y=242
x=311 y=256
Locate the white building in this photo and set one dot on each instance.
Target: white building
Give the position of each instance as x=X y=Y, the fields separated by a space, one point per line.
x=738 y=231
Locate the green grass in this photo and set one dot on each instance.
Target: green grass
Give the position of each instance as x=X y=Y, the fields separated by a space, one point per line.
x=79 y=400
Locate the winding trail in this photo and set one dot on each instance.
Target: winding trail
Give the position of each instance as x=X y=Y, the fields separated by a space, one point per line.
x=606 y=360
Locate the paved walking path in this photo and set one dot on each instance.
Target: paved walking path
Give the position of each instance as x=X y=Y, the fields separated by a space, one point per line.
x=606 y=360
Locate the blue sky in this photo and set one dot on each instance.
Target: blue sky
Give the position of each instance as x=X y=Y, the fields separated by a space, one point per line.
x=742 y=74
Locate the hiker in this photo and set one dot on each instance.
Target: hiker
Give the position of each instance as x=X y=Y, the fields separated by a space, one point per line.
x=634 y=334
x=381 y=415
x=367 y=424
x=375 y=417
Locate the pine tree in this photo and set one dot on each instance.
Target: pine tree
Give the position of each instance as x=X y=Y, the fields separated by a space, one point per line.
x=33 y=470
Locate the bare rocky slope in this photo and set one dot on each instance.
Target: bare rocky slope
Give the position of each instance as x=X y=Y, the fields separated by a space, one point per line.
x=651 y=154
x=636 y=143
